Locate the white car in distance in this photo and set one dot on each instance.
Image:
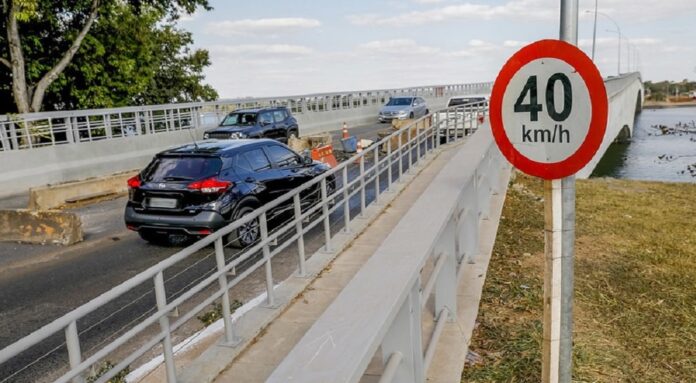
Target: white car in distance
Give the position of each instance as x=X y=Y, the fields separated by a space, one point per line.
x=460 y=117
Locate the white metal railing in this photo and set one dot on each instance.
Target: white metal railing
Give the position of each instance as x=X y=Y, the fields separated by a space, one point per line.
x=424 y=255
x=27 y=131
x=319 y=203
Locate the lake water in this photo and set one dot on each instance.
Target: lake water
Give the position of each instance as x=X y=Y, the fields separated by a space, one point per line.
x=651 y=155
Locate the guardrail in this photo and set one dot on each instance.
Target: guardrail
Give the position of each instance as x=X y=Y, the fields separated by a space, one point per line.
x=323 y=203
x=32 y=130
x=431 y=245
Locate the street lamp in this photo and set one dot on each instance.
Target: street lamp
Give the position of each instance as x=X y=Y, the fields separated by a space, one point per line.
x=618 y=65
x=618 y=30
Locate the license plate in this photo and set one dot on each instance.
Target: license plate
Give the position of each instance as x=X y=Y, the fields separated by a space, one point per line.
x=166 y=203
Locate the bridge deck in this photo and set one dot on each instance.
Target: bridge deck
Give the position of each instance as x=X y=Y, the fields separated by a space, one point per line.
x=259 y=360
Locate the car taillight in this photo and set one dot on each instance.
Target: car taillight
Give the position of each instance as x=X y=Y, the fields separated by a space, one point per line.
x=210 y=185
x=134 y=182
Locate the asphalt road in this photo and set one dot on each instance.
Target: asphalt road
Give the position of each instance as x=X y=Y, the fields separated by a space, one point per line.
x=41 y=283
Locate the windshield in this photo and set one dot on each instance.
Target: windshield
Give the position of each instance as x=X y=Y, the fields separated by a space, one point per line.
x=244 y=119
x=400 y=101
x=182 y=168
x=465 y=100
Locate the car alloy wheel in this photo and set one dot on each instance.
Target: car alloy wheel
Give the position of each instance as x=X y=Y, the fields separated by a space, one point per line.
x=248 y=233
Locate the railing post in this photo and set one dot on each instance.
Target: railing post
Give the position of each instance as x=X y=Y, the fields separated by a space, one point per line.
x=230 y=339
x=362 y=186
x=161 y=297
x=138 y=128
x=376 y=159
x=300 y=235
x=401 y=156
x=405 y=336
x=410 y=148
x=390 y=163
x=446 y=283
x=448 y=122
x=325 y=213
x=418 y=142
x=107 y=126
x=270 y=296
x=346 y=201
x=468 y=229
x=72 y=340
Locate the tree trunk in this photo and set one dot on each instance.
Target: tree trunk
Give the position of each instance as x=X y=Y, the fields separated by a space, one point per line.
x=21 y=91
x=19 y=79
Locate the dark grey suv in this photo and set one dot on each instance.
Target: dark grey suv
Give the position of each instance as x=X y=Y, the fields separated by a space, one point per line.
x=276 y=123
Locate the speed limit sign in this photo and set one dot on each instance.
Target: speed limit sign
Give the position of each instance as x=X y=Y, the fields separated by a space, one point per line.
x=548 y=109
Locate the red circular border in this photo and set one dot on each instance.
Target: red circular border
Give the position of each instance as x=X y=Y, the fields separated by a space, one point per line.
x=598 y=98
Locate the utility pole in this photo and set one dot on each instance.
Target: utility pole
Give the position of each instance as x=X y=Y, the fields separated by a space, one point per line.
x=559 y=233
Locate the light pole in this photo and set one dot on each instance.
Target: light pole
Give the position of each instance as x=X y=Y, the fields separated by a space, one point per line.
x=618 y=29
x=594 y=30
x=618 y=64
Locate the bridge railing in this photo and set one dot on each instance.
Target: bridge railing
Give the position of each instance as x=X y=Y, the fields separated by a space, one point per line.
x=383 y=306
x=32 y=130
x=149 y=307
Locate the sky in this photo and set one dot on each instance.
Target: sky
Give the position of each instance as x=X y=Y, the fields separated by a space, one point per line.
x=279 y=47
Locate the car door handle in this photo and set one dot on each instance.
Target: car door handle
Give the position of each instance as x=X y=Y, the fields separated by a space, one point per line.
x=250 y=179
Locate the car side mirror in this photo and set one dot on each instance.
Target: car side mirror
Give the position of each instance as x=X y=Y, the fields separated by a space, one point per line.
x=307 y=159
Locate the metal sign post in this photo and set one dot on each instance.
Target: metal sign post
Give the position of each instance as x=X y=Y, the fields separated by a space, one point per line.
x=559 y=226
x=548 y=114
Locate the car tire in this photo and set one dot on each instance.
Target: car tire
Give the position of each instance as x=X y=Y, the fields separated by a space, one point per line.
x=154 y=238
x=427 y=112
x=291 y=133
x=247 y=234
x=410 y=116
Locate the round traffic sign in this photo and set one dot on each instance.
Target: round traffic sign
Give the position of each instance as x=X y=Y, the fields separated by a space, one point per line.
x=548 y=109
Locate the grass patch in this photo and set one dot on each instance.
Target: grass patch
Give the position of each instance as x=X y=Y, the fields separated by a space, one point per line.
x=635 y=285
x=213 y=315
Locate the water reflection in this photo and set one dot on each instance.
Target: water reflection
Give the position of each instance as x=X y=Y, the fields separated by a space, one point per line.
x=641 y=159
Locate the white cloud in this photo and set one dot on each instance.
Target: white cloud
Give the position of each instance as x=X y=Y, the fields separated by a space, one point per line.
x=612 y=42
x=261 y=50
x=527 y=10
x=514 y=43
x=260 y=26
x=428 y=1
x=519 y=9
x=397 y=46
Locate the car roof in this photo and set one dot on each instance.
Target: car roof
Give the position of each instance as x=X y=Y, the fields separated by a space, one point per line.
x=256 y=110
x=216 y=147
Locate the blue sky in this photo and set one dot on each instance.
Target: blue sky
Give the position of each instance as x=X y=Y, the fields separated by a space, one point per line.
x=277 y=47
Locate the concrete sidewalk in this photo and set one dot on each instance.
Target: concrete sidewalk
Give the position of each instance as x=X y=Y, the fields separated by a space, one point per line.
x=259 y=360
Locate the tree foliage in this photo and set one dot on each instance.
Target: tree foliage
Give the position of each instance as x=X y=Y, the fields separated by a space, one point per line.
x=131 y=52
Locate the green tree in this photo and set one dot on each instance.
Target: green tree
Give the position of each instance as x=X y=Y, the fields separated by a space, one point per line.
x=132 y=59
x=43 y=38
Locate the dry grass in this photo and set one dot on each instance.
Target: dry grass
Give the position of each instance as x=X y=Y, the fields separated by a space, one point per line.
x=635 y=306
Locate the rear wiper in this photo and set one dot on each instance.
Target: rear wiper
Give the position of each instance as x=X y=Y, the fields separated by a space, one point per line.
x=175 y=178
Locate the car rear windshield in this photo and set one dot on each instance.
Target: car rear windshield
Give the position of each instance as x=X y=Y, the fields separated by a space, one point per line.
x=467 y=100
x=400 y=101
x=182 y=168
x=244 y=119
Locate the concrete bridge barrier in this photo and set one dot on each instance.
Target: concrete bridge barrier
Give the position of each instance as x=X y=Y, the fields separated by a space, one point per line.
x=56 y=147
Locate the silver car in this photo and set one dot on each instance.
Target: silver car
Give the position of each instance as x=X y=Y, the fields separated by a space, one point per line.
x=403 y=107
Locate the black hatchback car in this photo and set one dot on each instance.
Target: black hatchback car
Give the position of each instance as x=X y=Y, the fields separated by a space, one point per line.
x=194 y=190
x=276 y=123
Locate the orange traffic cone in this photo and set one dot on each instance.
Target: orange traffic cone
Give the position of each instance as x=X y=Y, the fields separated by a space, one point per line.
x=345 y=131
